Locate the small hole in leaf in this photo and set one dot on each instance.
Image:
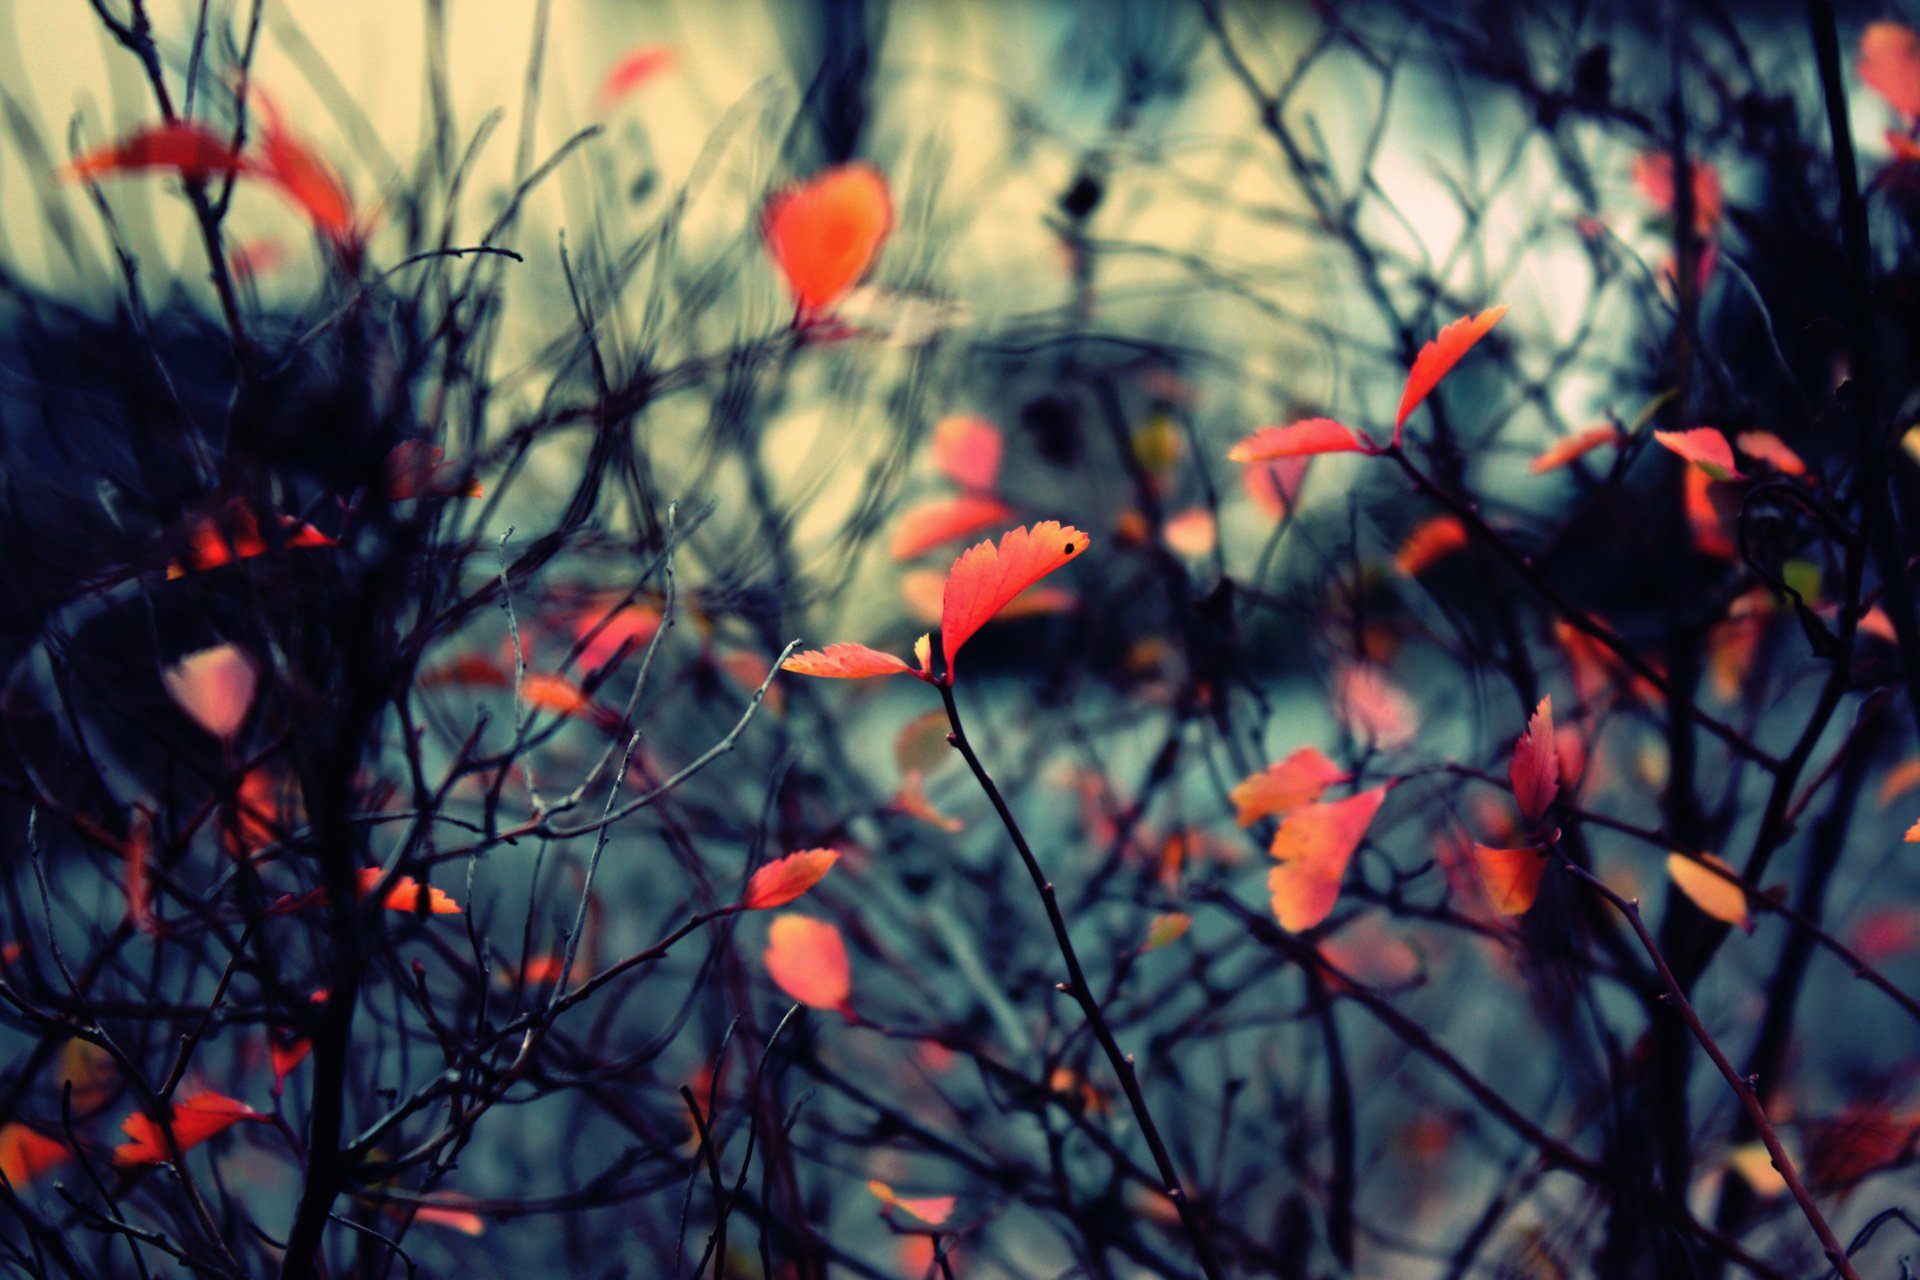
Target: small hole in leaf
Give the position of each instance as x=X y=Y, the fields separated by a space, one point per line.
x=1069 y=548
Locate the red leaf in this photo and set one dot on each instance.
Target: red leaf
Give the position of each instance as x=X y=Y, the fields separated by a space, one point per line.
x=1511 y=877
x=604 y=635
x=985 y=577
x=1535 y=770
x=1297 y=440
x=967 y=451
x=845 y=662
x=1281 y=788
x=943 y=520
x=1890 y=65
x=932 y=1210
x=823 y=234
x=1653 y=174
x=1705 y=448
x=1710 y=536
x=1574 y=446
x=565 y=697
x=213 y=541
x=1430 y=542
x=1372 y=708
x=194 y=1120
x=1313 y=847
x=1437 y=359
x=415 y=470
x=635 y=69
x=1274 y=487
x=25 y=1154
x=191 y=150
x=784 y=879
x=912 y=801
x=807 y=959
x=305 y=179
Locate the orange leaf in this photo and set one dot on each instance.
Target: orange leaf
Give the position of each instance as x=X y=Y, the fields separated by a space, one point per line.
x=943 y=520
x=191 y=150
x=1274 y=487
x=807 y=959
x=25 y=1154
x=1371 y=707
x=1437 y=359
x=1191 y=533
x=139 y=853
x=565 y=697
x=845 y=662
x=1535 y=769
x=465 y=1221
x=967 y=451
x=415 y=469
x=1719 y=897
x=404 y=894
x=784 y=879
x=632 y=71
x=210 y=545
x=1710 y=536
x=1905 y=150
x=1313 y=847
x=1511 y=877
x=1705 y=448
x=912 y=801
x=1772 y=450
x=1900 y=779
x=932 y=1210
x=215 y=687
x=1296 y=440
x=986 y=578
x=1281 y=788
x=1431 y=541
x=194 y=1120
x=823 y=234
x=1890 y=65
x=1578 y=445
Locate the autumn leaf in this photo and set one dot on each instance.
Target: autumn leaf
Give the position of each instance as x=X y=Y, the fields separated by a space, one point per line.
x=911 y=800
x=1431 y=541
x=1752 y=1161
x=193 y=1121
x=943 y=520
x=824 y=233
x=1511 y=877
x=784 y=879
x=845 y=662
x=214 y=687
x=563 y=696
x=1890 y=65
x=601 y=635
x=1191 y=533
x=26 y=1153
x=404 y=894
x=1719 y=897
x=932 y=1210
x=1653 y=174
x=465 y=1221
x=967 y=451
x=1705 y=448
x=1167 y=929
x=1313 y=847
x=807 y=959
x=987 y=577
x=1372 y=708
x=1535 y=768
x=1437 y=359
x=304 y=178
x=1281 y=788
x=235 y=535
x=191 y=150
x=1772 y=450
x=1709 y=528
x=138 y=854
x=1274 y=487
x=1297 y=440
x=1578 y=445
x=416 y=469
x=633 y=70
